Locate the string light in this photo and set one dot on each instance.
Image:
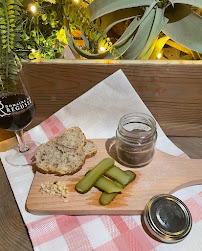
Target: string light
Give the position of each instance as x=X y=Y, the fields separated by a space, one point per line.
x=159 y=55
x=77 y=2
x=33 y=8
x=33 y=51
x=102 y=49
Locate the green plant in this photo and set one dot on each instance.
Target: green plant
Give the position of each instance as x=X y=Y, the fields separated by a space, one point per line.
x=152 y=24
x=129 y=29
x=42 y=30
x=9 y=62
x=77 y=18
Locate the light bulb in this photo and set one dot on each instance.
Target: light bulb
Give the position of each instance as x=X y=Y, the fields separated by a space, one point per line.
x=77 y=2
x=33 y=50
x=33 y=8
x=159 y=55
x=102 y=49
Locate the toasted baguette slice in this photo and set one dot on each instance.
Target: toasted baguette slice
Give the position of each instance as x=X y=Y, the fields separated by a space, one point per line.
x=73 y=138
x=90 y=148
x=59 y=160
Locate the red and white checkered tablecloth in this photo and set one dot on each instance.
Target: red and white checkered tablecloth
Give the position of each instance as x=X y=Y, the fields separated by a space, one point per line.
x=94 y=111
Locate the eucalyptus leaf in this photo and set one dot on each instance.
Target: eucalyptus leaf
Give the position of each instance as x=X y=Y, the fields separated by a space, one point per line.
x=86 y=41
x=79 y=51
x=99 y=8
x=186 y=31
x=76 y=49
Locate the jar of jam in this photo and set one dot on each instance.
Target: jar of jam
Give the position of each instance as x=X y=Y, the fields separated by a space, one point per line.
x=135 y=139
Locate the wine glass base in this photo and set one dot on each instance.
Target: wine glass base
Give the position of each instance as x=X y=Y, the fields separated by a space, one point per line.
x=16 y=158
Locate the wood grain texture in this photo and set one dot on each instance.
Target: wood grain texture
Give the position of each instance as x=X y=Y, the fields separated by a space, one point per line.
x=190 y=145
x=13 y=233
x=164 y=174
x=20 y=238
x=4 y=135
x=7 y=144
x=172 y=90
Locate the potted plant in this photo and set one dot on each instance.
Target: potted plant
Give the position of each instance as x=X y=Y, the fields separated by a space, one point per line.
x=150 y=25
x=100 y=29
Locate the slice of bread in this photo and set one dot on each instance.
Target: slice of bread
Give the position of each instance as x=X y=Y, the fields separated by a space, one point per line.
x=73 y=138
x=90 y=148
x=59 y=160
x=65 y=154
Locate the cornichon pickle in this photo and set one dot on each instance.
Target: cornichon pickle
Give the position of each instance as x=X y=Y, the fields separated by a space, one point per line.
x=115 y=173
x=107 y=185
x=132 y=176
x=106 y=198
x=84 y=185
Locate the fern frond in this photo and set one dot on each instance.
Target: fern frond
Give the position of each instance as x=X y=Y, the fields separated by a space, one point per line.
x=9 y=63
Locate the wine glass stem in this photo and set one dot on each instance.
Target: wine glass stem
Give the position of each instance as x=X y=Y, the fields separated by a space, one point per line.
x=20 y=137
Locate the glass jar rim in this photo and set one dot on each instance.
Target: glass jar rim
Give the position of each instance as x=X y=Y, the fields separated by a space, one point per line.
x=136 y=117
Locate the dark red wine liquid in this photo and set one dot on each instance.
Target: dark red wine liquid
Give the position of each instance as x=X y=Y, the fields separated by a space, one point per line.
x=16 y=111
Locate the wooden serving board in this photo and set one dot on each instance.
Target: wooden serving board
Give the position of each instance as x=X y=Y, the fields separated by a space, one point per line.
x=164 y=175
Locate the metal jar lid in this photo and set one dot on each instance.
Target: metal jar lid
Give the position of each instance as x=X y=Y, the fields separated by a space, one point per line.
x=167 y=218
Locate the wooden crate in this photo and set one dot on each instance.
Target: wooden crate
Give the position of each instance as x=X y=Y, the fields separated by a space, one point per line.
x=172 y=90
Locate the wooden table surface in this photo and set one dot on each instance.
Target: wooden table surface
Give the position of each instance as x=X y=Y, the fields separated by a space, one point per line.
x=13 y=232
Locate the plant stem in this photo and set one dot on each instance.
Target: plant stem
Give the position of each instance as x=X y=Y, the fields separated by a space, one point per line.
x=8 y=35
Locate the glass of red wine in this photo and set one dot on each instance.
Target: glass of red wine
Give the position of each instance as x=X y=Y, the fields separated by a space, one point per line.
x=17 y=110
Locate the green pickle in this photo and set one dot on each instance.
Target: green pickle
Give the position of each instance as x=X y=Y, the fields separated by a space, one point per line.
x=106 y=198
x=107 y=185
x=84 y=185
x=115 y=173
x=111 y=185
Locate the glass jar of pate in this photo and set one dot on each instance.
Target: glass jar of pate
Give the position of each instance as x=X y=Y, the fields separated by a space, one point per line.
x=135 y=139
